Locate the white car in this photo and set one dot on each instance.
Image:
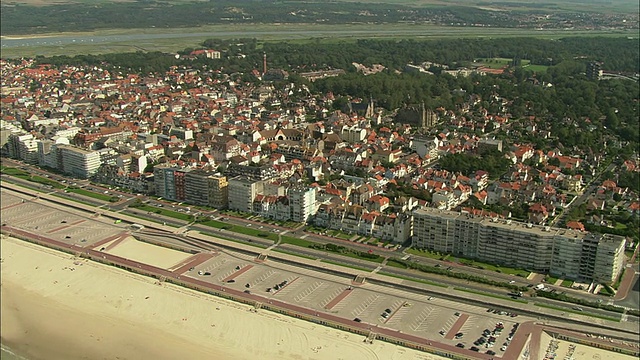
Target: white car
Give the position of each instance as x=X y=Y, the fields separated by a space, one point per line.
x=503 y=348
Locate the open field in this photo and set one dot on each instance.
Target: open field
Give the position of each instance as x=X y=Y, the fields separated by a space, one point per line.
x=173 y=40
x=606 y=6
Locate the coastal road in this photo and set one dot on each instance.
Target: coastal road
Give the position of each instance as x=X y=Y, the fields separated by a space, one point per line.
x=319 y=254
x=445 y=293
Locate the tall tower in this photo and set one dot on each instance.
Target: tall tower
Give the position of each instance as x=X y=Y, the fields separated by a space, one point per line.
x=264 y=63
x=423 y=116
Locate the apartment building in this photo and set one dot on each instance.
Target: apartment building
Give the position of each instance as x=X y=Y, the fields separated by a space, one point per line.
x=242 y=191
x=197 y=187
x=303 y=204
x=77 y=161
x=164 y=181
x=562 y=252
x=218 y=191
x=23 y=147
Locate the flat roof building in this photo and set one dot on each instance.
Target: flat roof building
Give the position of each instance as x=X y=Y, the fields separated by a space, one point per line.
x=562 y=252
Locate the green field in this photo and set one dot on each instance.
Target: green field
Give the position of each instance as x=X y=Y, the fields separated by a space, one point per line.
x=299 y=33
x=345 y=265
x=29 y=177
x=91 y=194
x=168 y=213
x=600 y=6
x=492 y=295
x=578 y=312
x=422 y=281
x=241 y=229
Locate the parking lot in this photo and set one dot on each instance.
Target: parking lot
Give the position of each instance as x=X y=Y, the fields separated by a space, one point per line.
x=431 y=318
x=66 y=226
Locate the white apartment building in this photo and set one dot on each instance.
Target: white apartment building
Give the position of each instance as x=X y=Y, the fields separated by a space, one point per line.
x=77 y=161
x=23 y=147
x=567 y=253
x=242 y=191
x=302 y=200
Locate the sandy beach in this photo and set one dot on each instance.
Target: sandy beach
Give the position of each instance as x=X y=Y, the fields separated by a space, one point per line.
x=57 y=307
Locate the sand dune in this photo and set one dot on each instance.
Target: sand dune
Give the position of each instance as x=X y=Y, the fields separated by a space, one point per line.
x=58 y=307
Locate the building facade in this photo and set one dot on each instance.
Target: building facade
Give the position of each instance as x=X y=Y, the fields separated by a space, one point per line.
x=565 y=253
x=77 y=161
x=242 y=191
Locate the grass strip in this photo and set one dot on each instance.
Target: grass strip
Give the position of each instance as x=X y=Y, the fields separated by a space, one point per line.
x=163 y=212
x=397 y=264
x=422 y=281
x=293 y=254
x=578 y=312
x=148 y=219
x=566 y=283
x=297 y=242
x=90 y=194
x=240 y=229
x=75 y=200
x=345 y=265
x=491 y=295
x=251 y=243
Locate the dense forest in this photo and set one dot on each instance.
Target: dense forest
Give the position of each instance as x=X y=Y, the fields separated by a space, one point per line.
x=617 y=54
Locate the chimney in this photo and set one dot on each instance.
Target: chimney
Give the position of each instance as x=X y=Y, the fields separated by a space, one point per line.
x=264 y=63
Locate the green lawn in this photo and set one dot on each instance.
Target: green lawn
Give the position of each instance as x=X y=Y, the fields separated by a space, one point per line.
x=536 y=68
x=620 y=226
x=293 y=254
x=425 y=253
x=356 y=256
x=90 y=194
x=74 y=200
x=577 y=312
x=219 y=236
x=551 y=280
x=566 y=283
x=349 y=266
x=491 y=295
x=163 y=212
x=284 y=32
x=496 y=268
x=422 y=281
x=296 y=241
x=241 y=229
x=395 y=263
x=29 y=177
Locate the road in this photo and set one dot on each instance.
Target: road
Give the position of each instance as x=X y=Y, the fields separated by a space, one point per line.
x=122 y=206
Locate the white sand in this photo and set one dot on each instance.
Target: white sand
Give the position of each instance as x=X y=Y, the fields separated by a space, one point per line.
x=580 y=352
x=146 y=253
x=98 y=312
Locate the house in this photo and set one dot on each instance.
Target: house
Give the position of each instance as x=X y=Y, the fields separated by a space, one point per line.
x=378 y=203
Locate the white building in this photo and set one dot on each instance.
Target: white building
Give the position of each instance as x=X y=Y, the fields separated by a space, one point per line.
x=302 y=201
x=242 y=191
x=78 y=162
x=562 y=252
x=23 y=147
